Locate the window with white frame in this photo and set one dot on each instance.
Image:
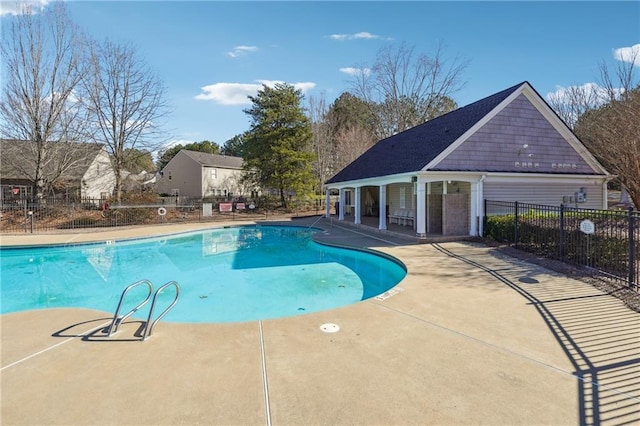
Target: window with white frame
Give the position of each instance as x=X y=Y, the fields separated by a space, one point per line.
x=214 y=173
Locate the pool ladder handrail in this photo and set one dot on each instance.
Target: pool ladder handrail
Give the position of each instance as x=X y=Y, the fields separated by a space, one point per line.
x=148 y=330
x=117 y=319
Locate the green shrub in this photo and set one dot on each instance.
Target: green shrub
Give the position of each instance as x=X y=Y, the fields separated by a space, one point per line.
x=500 y=228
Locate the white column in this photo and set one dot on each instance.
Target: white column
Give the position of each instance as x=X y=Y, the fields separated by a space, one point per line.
x=341 y=205
x=382 y=223
x=427 y=209
x=421 y=209
x=444 y=207
x=327 y=204
x=474 y=209
x=480 y=209
x=357 y=209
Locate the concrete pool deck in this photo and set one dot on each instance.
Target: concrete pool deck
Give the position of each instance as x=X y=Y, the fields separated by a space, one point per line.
x=470 y=336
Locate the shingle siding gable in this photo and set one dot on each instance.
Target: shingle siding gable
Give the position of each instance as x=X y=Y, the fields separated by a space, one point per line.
x=499 y=145
x=414 y=148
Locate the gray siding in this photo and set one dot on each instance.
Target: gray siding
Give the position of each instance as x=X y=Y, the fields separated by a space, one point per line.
x=550 y=194
x=184 y=174
x=499 y=145
x=393 y=196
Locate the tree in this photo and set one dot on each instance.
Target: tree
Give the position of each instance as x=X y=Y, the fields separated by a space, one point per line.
x=43 y=56
x=205 y=146
x=606 y=118
x=321 y=141
x=353 y=123
x=126 y=101
x=277 y=146
x=138 y=161
x=234 y=146
x=612 y=135
x=405 y=89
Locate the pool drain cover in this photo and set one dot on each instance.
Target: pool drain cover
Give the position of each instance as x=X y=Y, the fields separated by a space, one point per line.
x=329 y=328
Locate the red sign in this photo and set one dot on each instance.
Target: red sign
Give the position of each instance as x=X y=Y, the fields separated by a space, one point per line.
x=16 y=191
x=240 y=206
x=226 y=207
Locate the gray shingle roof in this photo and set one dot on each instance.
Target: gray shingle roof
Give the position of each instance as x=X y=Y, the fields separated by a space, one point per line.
x=18 y=158
x=215 y=160
x=411 y=150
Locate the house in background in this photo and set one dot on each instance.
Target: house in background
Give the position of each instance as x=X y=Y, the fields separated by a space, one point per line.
x=198 y=175
x=510 y=146
x=71 y=170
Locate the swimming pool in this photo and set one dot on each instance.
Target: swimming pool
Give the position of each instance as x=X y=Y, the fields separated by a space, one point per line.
x=225 y=275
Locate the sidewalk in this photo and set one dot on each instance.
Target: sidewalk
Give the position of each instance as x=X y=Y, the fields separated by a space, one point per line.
x=468 y=337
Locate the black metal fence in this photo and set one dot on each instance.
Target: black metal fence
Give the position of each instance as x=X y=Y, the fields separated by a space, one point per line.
x=25 y=216
x=607 y=241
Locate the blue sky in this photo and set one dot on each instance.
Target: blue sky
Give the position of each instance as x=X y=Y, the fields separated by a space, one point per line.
x=212 y=54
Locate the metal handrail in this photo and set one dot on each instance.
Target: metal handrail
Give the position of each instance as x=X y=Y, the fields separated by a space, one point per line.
x=148 y=330
x=115 y=323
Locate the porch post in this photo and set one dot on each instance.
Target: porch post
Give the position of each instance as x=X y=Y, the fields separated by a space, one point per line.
x=444 y=207
x=421 y=213
x=474 y=209
x=341 y=205
x=382 y=223
x=327 y=204
x=480 y=208
x=357 y=210
x=427 y=209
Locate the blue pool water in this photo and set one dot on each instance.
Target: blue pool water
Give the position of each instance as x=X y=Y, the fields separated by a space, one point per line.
x=225 y=275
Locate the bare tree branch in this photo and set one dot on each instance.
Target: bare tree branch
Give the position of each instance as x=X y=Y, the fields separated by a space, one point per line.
x=43 y=55
x=127 y=104
x=406 y=89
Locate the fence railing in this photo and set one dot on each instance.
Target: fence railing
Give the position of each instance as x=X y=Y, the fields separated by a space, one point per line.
x=25 y=216
x=607 y=241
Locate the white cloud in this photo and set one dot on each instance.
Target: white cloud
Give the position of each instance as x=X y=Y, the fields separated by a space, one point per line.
x=241 y=51
x=590 y=93
x=628 y=54
x=238 y=93
x=20 y=7
x=355 y=71
x=355 y=36
x=565 y=94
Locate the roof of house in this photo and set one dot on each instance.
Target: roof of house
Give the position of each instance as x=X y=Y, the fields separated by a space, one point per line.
x=215 y=160
x=413 y=149
x=18 y=158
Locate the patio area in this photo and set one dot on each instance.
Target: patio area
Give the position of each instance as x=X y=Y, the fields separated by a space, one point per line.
x=406 y=232
x=470 y=336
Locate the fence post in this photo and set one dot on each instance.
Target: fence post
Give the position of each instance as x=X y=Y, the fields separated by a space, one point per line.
x=561 y=243
x=25 y=215
x=515 y=227
x=632 y=247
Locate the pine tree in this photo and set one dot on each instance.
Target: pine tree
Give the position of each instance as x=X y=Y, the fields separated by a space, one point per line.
x=277 y=151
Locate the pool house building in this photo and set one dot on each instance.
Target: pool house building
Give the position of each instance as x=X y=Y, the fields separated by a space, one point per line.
x=435 y=177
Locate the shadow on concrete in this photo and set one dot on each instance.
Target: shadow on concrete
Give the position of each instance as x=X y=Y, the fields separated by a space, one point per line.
x=599 y=335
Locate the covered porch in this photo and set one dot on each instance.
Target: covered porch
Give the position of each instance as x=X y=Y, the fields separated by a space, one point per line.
x=370 y=223
x=422 y=206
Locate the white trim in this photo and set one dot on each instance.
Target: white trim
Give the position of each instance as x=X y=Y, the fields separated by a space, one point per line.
x=377 y=181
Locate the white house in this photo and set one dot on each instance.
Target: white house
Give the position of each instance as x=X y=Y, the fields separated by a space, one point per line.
x=510 y=146
x=70 y=170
